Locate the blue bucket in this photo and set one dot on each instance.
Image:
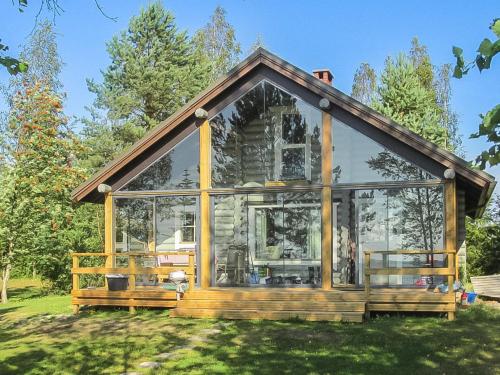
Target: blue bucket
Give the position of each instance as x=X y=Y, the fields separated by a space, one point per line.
x=471 y=297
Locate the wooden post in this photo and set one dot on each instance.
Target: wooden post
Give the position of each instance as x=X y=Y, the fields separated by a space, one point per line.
x=366 y=277
x=108 y=229
x=191 y=270
x=205 y=182
x=131 y=279
x=326 y=202
x=76 y=281
x=450 y=193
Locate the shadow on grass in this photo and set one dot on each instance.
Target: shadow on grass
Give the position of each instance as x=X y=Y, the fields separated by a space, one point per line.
x=95 y=342
x=113 y=342
x=392 y=345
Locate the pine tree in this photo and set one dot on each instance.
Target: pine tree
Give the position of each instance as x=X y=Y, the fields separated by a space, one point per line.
x=402 y=97
x=153 y=72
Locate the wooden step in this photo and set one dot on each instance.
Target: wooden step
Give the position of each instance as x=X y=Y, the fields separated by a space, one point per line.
x=276 y=295
x=267 y=315
x=273 y=305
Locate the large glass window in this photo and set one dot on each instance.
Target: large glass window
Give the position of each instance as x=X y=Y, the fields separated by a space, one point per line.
x=359 y=159
x=271 y=239
x=387 y=220
x=177 y=169
x=266 y=135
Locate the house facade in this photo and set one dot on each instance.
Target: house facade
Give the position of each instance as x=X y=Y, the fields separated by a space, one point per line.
x=275 y=183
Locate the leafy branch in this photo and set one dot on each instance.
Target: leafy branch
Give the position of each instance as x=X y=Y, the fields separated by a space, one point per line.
x=490 y=125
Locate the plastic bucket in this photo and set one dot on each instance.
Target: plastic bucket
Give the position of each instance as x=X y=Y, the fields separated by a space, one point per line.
x=471 y=297
x=117 y=282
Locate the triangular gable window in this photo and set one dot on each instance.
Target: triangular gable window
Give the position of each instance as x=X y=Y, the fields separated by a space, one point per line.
x=177 y=169
x=359 y=159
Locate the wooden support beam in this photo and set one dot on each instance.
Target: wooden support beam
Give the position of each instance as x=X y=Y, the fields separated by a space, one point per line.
x=108 y=229
x=205 y=182
x=450 y=194
x=326 y=202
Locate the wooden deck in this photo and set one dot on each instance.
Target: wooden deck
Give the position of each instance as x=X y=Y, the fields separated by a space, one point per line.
x=275 y=304
x=340 y=304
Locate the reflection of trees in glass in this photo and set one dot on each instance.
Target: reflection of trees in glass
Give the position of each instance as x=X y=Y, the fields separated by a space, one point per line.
x=394 y=168
x=151 y=178
x=179 y=168
x=245 y=135
x=135 y=217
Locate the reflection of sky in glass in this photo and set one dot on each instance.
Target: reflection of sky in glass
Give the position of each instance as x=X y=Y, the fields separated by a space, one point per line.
x=358 y=159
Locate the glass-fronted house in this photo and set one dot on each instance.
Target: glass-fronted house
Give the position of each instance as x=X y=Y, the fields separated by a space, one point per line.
x=272 y=182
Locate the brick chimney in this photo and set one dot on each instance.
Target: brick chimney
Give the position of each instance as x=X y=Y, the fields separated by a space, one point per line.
x=324 y=75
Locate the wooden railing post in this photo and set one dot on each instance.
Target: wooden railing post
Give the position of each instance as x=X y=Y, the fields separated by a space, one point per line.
x=76 y=280
x=191 y=271
x=132 y=270
x=366 y=277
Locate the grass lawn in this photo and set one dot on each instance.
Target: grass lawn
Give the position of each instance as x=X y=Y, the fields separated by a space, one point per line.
x=39 y=336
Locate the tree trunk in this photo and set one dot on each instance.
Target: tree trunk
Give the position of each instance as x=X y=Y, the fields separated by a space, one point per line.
x=5 y=281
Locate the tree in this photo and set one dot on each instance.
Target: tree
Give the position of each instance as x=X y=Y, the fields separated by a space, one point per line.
x=433 y=79
x=402 y=97
x=153 y=72
x=258 y=43
x=483 y=242
x=364 y=84
x=217 y=45
x=35 y=205
x=490 y=125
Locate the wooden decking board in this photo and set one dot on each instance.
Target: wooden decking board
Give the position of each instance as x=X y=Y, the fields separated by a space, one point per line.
x=268 y=315
x=123 y=302
x=274 y=305
x=436 y=307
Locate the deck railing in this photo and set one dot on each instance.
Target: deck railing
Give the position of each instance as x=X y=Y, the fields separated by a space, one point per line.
x=132 y=270
x=448 y=271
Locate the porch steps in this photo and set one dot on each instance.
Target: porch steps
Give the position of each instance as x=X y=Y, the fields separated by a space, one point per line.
x=312 y=305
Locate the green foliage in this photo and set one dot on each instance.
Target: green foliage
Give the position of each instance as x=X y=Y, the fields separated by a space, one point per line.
x=217 y=46
x=483 y=242
x=402 y=97
x=414 y=93
x=490 y=125
x=364 y=84
x=35 y=207
x=153 y=72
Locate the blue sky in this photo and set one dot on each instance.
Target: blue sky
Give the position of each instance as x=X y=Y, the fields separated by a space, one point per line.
x=310 y=34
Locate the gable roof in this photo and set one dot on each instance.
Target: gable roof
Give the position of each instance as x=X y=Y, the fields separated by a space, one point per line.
x=481 y=182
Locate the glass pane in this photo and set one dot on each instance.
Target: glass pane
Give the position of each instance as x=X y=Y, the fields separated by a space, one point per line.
x=401 y=219
x=134 y=224
x=358 y=159
x=267 y=239
x=176 y=218
x=294 y=164
x=178 y=169
x=250 y=136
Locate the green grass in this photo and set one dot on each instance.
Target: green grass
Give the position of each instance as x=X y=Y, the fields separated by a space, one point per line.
x=110 y=341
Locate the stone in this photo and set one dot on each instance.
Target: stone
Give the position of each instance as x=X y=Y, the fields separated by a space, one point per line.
x=150 y=364
x=165 y=355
